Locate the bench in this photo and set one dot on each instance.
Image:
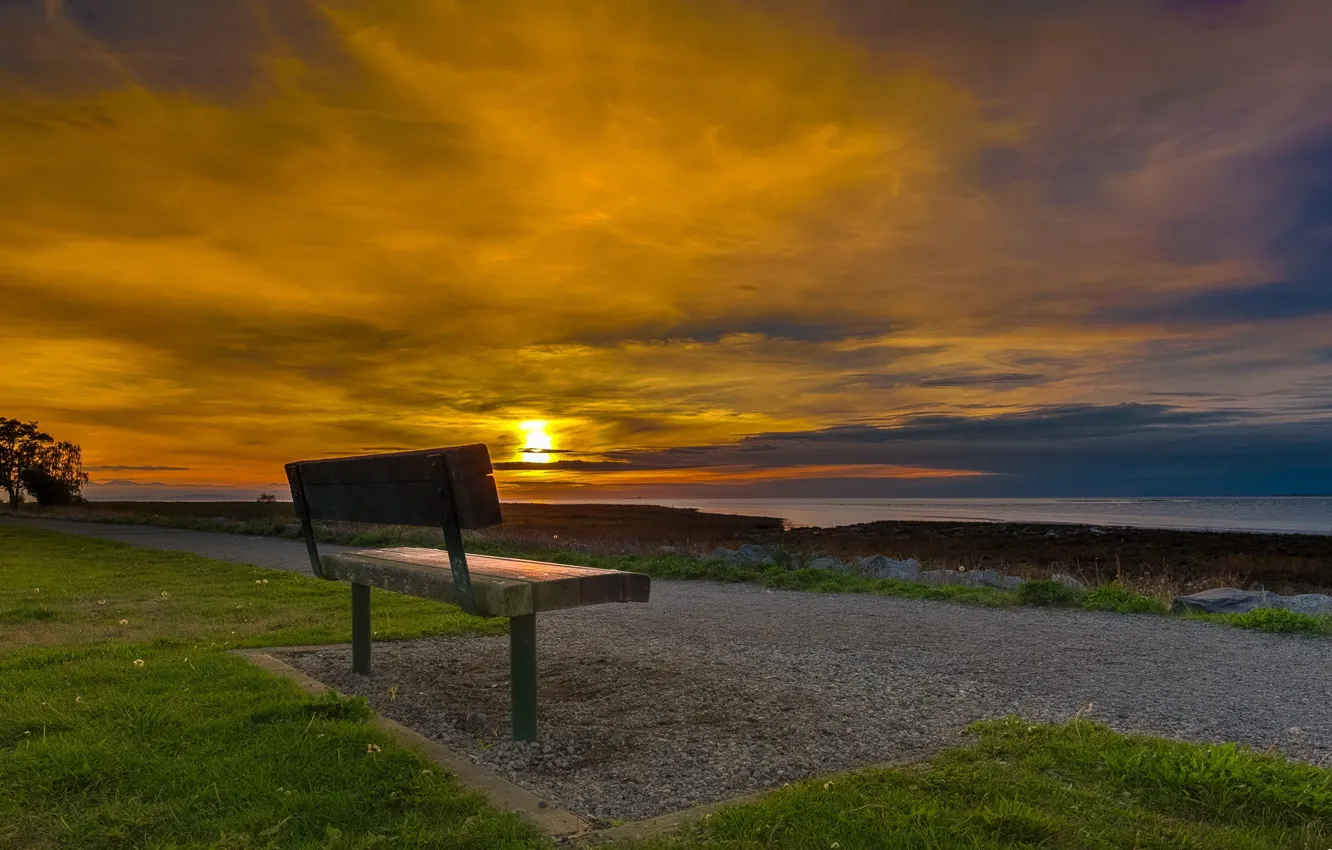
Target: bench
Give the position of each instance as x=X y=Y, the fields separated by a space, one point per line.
x=451 y=489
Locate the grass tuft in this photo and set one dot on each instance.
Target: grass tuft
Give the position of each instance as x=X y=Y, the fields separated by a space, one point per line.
x=1278 y=620
x=1120 y=599
x=1049 y=593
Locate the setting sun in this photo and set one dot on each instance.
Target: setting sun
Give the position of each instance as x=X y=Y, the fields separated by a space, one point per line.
x=536 y=442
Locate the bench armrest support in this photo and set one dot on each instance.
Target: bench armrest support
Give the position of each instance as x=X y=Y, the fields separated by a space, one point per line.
x=303 y=512
x=462 y=579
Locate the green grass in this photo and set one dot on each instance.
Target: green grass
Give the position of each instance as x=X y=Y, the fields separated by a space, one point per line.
x=1122 y=600
x=1276 y=620
x=199 y=748
x=1022 y=786
x=195 y=747
x=60 y=589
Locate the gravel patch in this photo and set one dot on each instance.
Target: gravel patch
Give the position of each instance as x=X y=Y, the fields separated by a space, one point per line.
x=712 y=691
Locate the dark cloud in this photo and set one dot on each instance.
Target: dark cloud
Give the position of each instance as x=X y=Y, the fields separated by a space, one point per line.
x=1130 y=449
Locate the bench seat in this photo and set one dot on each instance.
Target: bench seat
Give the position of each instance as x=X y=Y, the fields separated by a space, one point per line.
x=502 y=587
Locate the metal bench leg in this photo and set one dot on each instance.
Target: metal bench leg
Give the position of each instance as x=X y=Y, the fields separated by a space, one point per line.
x=523 y=676
x=361 y=629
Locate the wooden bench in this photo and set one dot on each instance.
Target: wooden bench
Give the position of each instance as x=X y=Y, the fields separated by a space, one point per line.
x=452 y=489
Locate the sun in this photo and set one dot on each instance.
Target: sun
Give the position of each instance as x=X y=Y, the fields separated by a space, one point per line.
x=537 y=443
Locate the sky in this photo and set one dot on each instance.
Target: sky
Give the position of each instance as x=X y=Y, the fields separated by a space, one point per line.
x=676 y=248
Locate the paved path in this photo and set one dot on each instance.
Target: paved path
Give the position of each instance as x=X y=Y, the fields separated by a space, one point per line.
x=711 y=690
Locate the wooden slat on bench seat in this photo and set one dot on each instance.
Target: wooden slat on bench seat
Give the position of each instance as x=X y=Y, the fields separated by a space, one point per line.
x=550 y=586
x=495 y=596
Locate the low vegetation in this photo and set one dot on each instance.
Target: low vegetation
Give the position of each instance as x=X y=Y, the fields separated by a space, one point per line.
x=146 y=733
x=1078 y=785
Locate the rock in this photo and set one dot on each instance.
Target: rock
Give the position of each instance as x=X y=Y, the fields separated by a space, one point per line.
x=721 y=553
x=1313 y=604
x=939 y=577
x=751 y=554
x=668 y=550
x=1011 y=582
x=1225 y=600
x=824 y=564
x=986 y=578
x=881 y=566
x=1068 y=581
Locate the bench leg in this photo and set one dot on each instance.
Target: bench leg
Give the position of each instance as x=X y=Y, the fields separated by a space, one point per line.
x=523 y=676
x=361 y=629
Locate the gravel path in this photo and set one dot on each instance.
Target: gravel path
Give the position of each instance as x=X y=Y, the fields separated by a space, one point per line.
x=711 y=691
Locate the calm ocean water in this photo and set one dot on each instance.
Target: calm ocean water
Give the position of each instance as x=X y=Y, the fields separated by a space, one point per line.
x=1290 y=514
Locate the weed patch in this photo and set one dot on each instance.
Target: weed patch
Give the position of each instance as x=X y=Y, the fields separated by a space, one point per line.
x=1115 y=597
x=1048 y=592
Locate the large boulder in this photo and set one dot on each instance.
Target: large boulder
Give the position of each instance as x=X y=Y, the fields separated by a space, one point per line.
x=1224 y=600
x=824 y=563
x=881 y=566
x=1313 y=604
x=1071 y=582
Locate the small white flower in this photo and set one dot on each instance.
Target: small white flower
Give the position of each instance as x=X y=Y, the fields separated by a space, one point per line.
x=124 y=622
x=138 y=662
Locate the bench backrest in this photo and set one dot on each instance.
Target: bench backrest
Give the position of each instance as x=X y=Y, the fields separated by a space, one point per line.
x=402 y=488
x=450 y=488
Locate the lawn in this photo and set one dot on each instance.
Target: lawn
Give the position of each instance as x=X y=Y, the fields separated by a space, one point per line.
x=148 y=734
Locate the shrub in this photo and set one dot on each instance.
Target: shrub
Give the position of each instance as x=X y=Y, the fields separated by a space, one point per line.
x=1281 y=620
x=1047 y=592
x=1116 y=597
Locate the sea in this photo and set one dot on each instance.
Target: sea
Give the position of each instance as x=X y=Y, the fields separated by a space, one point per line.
x=1276 y=514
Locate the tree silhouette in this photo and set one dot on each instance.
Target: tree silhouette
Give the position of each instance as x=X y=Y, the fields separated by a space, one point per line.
x=33 y=461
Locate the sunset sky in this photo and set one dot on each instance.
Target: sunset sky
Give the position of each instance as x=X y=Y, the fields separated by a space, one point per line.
x=760 y=248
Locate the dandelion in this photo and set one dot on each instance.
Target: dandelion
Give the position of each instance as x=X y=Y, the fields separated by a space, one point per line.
x=138 y=662
x=257 y=581
x=36 y=590
x=124 y=622
x=827 y=785
x=101 y=602
x=265 y=581
x=164 y=594
x=78 y=699
x=372 y=748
